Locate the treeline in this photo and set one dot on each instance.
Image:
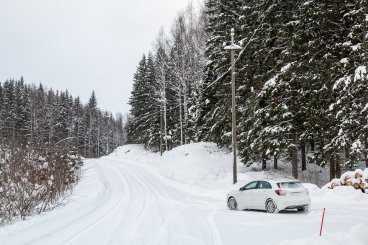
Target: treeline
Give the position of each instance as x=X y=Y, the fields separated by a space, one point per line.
x=43 y=135
x=301 y=82
x=34 y=115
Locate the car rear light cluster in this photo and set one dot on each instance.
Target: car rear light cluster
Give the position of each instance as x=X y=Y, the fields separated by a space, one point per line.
x=280 y=192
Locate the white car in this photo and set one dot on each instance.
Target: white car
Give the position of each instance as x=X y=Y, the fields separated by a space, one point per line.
x=270 y=195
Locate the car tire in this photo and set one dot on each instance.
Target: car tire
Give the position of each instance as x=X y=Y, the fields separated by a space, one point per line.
x=271 y=206
x=232 y=204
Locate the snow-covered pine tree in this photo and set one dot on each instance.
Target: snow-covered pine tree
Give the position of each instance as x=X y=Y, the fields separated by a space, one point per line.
x=350 y=106
x=8 y=111
x=92 y=126
x=135 y=129
x=266 y=40
x=214 y=115
x=78 y=124
x=152 y=105
x=22 y=112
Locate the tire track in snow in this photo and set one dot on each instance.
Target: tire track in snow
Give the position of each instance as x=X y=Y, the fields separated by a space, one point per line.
x=125 y=198
x=210 y=225
x=123 y=221
x=143 y=186
x=85 y=221
x=98 y=206
x=216 y=236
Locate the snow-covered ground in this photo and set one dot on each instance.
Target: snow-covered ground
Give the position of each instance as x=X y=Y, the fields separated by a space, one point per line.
x=137 y=197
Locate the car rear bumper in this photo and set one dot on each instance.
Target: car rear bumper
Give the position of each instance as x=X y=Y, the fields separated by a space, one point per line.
x=294 y=203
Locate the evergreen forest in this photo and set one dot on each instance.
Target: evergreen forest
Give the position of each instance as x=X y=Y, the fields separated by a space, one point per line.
x=35 y=116
x=301 y=82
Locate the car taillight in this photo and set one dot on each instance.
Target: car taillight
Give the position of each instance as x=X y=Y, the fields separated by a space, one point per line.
x=280 y=192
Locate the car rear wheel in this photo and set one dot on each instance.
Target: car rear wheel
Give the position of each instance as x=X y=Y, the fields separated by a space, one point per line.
x=271 y=206
x=231 y=203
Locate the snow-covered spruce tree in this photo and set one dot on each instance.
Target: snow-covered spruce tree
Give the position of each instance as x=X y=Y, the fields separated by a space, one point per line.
x=351 y=86
x=144 y=124
x=214 y=114
x=38 y=115
x=8 y=111
x=92 y=116
x=22 y=112
x=136 y=130
x=62 y=117
x=266 y=27
x=173 y=117
x=153 y=108
x=78 y=125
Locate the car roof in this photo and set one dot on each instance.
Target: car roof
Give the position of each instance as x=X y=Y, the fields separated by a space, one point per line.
x=277 y=180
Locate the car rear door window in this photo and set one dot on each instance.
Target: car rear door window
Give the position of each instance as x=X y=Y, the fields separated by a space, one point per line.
x=264 y=185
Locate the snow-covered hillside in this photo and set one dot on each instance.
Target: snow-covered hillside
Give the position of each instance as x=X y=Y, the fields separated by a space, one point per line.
x=137 y=197
x=206 y=165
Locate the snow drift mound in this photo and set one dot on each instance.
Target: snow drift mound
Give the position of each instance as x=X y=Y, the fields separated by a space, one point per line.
x=135 y=153
x=196 y=163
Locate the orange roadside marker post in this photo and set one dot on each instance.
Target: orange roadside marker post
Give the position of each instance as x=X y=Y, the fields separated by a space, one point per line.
x=323 y=219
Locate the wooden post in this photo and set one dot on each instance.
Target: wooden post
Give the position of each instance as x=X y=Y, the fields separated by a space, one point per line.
x=235 y=174
x=323 y=219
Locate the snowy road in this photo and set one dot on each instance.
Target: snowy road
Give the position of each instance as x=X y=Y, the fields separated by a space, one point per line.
x=122 y=202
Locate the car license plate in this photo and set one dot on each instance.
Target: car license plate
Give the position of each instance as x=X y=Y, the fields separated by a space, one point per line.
x=296 y=193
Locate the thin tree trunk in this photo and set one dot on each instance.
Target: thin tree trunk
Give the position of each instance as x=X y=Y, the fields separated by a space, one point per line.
x=181 y=121
x=332 y=167
x=347 y=158
x=98 y=143
x=294 y=157
x=185 y=107
x=161 y=133
x=264 y=161
x=312 y=146
x=275 y=162
x=304 y=162
x=338 y=167
x=366 y=153
x=165 y=120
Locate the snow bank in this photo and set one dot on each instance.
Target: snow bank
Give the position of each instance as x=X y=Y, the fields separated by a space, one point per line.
x=196 y=163
x=206 y=165
x=202 y=164
x=134 y=153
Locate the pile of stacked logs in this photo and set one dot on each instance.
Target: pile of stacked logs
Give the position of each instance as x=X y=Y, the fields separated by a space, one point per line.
x=357 y=179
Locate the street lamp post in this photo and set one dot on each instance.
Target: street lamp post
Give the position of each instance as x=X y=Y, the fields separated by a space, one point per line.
x=233 y=47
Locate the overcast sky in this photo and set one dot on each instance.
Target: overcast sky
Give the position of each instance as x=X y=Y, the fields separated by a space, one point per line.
x=81 y=45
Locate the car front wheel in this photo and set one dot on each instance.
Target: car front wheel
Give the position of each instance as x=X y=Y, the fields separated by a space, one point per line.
x=231 y=203
x=271 y=206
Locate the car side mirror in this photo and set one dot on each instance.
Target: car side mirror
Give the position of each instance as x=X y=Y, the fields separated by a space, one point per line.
x=241 y=189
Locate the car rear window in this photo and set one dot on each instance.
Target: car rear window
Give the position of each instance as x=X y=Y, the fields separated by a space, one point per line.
x=289 y=185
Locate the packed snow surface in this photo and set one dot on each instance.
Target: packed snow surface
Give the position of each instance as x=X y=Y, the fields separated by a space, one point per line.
x=137 y=197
